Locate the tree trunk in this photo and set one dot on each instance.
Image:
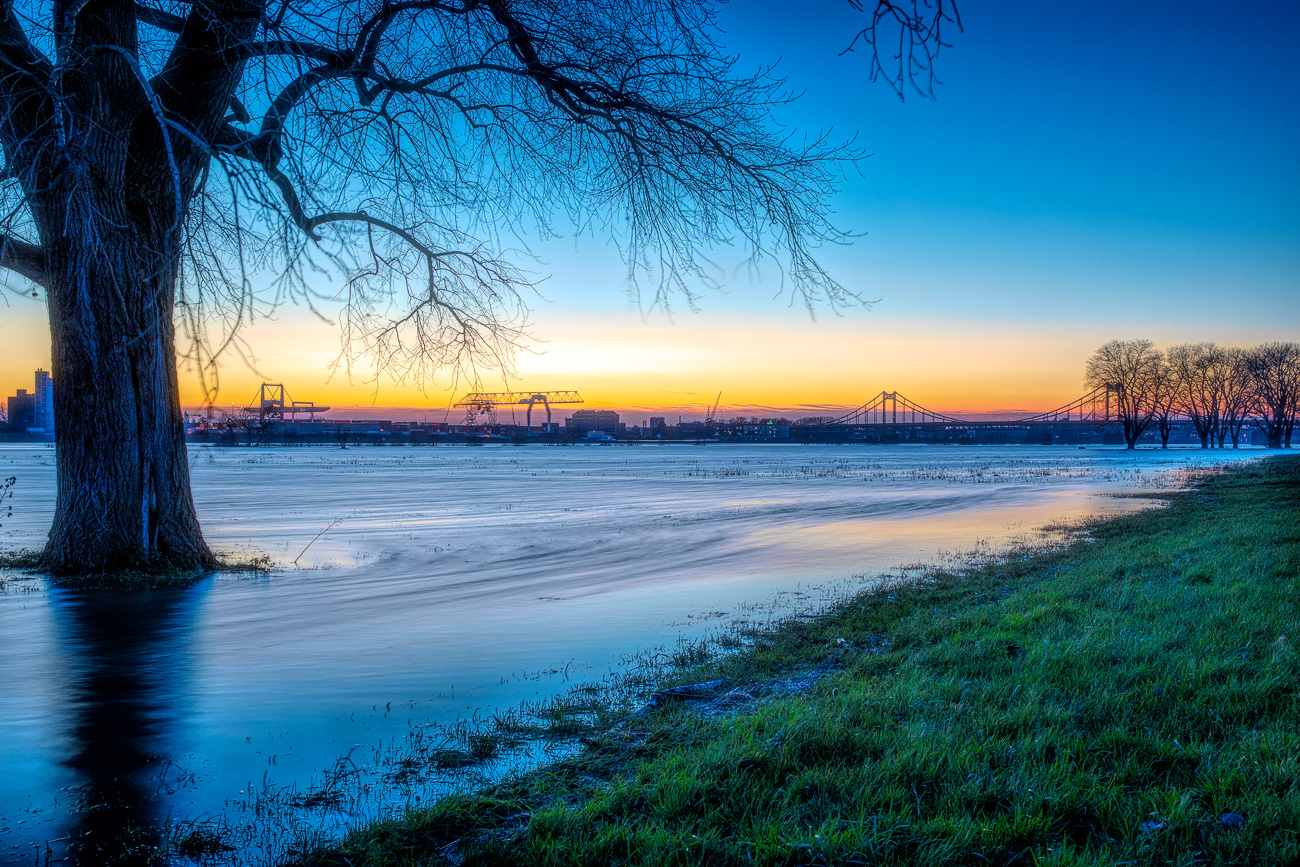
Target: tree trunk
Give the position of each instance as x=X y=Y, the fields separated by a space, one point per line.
x=108 y=202
x=123 y=475
x=1272 y=430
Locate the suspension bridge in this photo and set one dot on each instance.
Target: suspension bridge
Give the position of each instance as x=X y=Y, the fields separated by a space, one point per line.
x=893 y=416
x=891 y=408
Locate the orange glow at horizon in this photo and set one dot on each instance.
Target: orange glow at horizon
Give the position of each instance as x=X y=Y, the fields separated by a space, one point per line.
x=770 y=364
x=764 y=364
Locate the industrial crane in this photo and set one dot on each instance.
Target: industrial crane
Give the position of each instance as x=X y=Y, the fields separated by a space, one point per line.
x=713 y=413
x=274 y=402
x=478 y=402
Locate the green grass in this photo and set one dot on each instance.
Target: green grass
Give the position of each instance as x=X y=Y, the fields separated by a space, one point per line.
x=1110 y=701
x=28 y=562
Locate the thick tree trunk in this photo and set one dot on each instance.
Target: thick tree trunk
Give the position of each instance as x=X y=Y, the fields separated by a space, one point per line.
x=94 y=143
x=123 y=476
x=1273 y=430
x=1272 y=426
x=1131 y=434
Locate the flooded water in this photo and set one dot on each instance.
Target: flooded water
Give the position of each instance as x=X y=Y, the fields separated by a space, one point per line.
x=425 y=585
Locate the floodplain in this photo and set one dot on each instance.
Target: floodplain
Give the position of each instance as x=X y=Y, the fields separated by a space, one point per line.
x=420 y=600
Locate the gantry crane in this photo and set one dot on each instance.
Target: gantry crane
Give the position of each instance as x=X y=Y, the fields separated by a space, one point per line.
x=273 y=402
x=478 y=402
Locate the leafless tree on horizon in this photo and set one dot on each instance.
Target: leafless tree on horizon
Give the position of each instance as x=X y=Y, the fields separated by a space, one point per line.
x=1132 y=369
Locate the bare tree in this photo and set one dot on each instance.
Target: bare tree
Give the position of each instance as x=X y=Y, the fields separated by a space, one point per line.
x=1275 y=374
x=162 y=154
x=1237 y=395
x=1132 y=369
x=1196 y=368
x=253 y=431
x=1163 y=400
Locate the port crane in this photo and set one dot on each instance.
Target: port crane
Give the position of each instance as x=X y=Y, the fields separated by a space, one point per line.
x=479 y=402
x=713 y=414
x=273 y=402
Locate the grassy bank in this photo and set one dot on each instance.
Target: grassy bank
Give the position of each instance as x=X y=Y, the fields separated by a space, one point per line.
x=1133 y=697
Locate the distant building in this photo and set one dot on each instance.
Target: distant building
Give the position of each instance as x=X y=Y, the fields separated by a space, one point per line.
x=765 y=432
x=595 y=420
x=657 y=425
x=22 y=411
x=33 y=411
x=44 y=409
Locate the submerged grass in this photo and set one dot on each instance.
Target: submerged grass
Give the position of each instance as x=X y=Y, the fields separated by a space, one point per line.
x=27 y=562
x=1131 y=697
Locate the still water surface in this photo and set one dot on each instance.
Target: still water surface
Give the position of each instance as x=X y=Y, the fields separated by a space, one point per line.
x=451 y=582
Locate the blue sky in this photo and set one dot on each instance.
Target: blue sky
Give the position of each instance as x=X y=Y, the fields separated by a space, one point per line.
x=1088 y=171
x=1143 y=154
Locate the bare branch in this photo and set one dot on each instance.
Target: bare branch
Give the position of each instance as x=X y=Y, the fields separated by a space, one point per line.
x=18 y=58
x=23 y=258
x=905 y=39
x=159 y=18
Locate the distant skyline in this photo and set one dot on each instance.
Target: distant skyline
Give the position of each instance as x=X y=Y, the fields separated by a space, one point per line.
x=1088 y=172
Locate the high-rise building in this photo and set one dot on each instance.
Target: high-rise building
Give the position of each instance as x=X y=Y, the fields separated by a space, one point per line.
x=22 y=411
x=44 y=409
x=33 y=411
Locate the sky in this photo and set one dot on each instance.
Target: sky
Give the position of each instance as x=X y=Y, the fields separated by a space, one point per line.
x=1087 y=172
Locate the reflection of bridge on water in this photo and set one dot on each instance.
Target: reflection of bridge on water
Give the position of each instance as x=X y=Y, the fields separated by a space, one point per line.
x=891 y=416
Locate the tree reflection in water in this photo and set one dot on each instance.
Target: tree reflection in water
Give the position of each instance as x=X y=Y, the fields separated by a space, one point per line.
x=128 y=656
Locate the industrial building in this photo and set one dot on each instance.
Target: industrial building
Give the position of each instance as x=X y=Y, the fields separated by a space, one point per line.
x=603 y=420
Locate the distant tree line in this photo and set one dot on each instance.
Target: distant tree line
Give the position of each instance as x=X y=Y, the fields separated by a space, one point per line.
x=781 y=420
x=1220 y=390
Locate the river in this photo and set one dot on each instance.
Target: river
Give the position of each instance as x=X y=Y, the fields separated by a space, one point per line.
x=419 y=586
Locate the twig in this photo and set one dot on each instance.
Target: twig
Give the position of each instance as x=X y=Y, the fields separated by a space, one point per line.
x=332 y=525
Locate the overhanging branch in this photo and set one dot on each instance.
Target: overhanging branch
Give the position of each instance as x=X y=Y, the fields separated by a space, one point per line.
x=23 y=258
x=158 y=18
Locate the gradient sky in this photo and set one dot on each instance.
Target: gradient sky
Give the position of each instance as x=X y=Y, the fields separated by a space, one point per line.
x=1089 y=171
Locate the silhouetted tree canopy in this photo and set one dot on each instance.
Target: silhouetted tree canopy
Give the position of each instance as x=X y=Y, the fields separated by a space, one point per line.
x=1132 y=369
x=172 y=158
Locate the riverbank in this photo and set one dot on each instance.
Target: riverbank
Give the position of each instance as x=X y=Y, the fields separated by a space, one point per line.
x=1132 y=696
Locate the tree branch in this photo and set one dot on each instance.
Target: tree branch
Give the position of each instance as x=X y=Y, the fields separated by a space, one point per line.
x=200 y=77
x=17 y=52
x=23 y=258
x=158 y=18
x=291 y=48
x=915 y=37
